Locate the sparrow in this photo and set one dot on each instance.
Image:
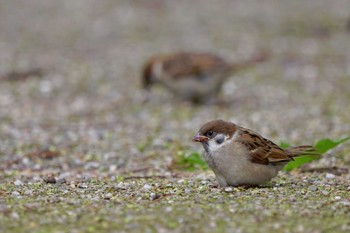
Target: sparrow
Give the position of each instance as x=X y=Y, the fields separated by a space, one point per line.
x=242 y=157
x=197 y=77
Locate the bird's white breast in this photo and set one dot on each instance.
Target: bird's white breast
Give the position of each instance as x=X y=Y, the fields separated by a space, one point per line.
x=231 y=164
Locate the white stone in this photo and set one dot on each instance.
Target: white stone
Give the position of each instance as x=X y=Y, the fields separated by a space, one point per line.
x=15 y=193
x=153 y=196
x=330 y=176
x=187 y=190
x=108 y=196
x=18 y=183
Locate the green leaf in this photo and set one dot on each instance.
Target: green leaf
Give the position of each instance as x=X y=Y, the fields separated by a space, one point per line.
x=299 y=161
x=284 y=145
x=327 y=144
x=190 y=160
x=322 y=146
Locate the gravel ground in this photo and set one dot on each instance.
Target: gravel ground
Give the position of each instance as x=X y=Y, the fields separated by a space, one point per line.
x=76 y=138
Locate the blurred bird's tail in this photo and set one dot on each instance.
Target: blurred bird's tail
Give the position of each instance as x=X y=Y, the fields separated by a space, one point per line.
x=257 y=58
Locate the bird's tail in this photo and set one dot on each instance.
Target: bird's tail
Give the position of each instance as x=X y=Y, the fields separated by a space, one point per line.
x=302 y=150
x=257 y=58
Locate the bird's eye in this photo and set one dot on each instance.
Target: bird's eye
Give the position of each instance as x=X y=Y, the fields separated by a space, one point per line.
x=210 y=133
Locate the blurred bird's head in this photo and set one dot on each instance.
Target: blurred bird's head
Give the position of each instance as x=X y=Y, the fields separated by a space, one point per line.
x=151 y=72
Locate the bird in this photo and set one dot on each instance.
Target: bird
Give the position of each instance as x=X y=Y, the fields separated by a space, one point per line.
x=241 y=157
x=193 y=76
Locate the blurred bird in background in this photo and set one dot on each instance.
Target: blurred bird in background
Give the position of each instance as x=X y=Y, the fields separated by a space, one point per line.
x=196 y=77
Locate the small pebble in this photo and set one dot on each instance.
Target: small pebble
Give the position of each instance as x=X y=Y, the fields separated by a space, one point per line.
x=313 y=188
x=28 y=193
x=121 y=185
x=181 y=181
x=337 y=198
x=330 y=176
x=187 y=190
x=169 y=185
x=82 y=185
x=228 y=189
x=18 y=183
x=108 y=196
x=324 y=192
x=204 y=182
x=154 y=196
x=277 y=225
x=168 y=209
x=147 y=186
x=15 y=193
x=346 y=203
x=112 y=168
x=36 y=178
x=15 y=215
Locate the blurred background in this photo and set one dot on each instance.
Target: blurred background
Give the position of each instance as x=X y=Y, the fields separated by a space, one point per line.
x=86 y=104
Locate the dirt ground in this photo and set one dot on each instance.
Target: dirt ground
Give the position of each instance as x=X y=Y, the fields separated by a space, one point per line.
x=84 y=149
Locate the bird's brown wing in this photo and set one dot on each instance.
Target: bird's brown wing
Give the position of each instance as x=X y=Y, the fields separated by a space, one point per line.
x=262 y=150
x=195 y=65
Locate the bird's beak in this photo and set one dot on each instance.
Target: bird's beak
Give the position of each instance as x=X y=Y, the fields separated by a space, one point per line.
x=200 y=138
